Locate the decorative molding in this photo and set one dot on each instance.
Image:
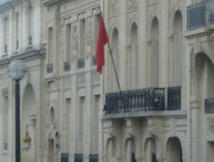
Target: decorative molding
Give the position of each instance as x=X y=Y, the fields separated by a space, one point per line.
x=155 y=127
x=132 y=5
x=210 y=124
x=75 y=39
x=51 y=2
x=80 y=79
x=51 y=131
x=52 y=84
x=89 y=39
x=114 y=6
x=152 y=2
x=5 y=92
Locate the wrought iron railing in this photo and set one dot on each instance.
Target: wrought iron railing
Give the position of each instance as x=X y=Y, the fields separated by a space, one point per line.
x=197 y=17
x=67 y=66
x=81 y=63
x=151 y=99
x=49 y=68
x=174 y=98
x=209 y=105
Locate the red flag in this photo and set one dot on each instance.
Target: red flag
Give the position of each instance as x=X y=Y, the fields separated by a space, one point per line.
x=102 y=40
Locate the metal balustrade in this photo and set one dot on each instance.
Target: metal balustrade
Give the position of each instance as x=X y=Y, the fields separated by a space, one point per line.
x=197 y=17
x=151 y=99
x=209 y=105
x=174 y=98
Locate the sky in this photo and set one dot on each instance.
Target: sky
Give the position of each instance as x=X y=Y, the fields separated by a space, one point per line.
x=2 y=1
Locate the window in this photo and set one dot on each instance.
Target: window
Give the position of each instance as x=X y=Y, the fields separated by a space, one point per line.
x=50 y=45
x=17 y=31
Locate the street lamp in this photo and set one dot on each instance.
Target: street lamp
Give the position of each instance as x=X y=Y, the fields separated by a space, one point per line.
x=17 y=71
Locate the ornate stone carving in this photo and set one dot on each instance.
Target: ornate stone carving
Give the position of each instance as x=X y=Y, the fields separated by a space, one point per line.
x=5 y=92
x=132 y=4
x=155 y=127
x=152 y=2
x=114 y=7
x=89 y=40
x=63 y=37
x=51 y=131
x=75 y=45
x=210 y=124
x=52 y=103
x=52 y=84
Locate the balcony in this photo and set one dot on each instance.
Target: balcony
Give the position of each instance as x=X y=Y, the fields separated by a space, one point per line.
x=142 y=100
x=174 y=98
x=197 y=16
x=209 y=105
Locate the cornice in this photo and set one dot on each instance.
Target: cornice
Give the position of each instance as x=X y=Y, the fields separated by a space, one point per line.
x=27 y=55
x=9 y=4
x=52 y=2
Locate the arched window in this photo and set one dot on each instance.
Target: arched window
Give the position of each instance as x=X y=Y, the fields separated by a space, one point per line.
x=133 y=56
x=173 y=150
x=113 y=83
x=177 y=50
x=154 y=56
x=111 y=150
x=150 y=152
x=52 y=115
x=130 y=150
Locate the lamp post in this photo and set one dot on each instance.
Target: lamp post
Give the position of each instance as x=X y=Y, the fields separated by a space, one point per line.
x=17 y=71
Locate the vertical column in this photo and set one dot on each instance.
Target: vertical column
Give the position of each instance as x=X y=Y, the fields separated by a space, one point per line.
x=87 y=124
x=1 y=36
x=36 y=23
x=163 y=40
x=195 y=131
x=23 y=27
x=122 y=54
x=1 y=135
x=10 y=32
x=73 y=116
x=142 y=45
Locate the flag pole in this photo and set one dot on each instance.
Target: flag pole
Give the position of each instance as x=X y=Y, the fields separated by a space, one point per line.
x=112 y=59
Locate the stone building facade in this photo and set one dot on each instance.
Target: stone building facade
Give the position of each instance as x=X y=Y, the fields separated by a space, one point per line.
x=162 y=110
x=22 y=36
x=163 y=56
x=73 y=85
